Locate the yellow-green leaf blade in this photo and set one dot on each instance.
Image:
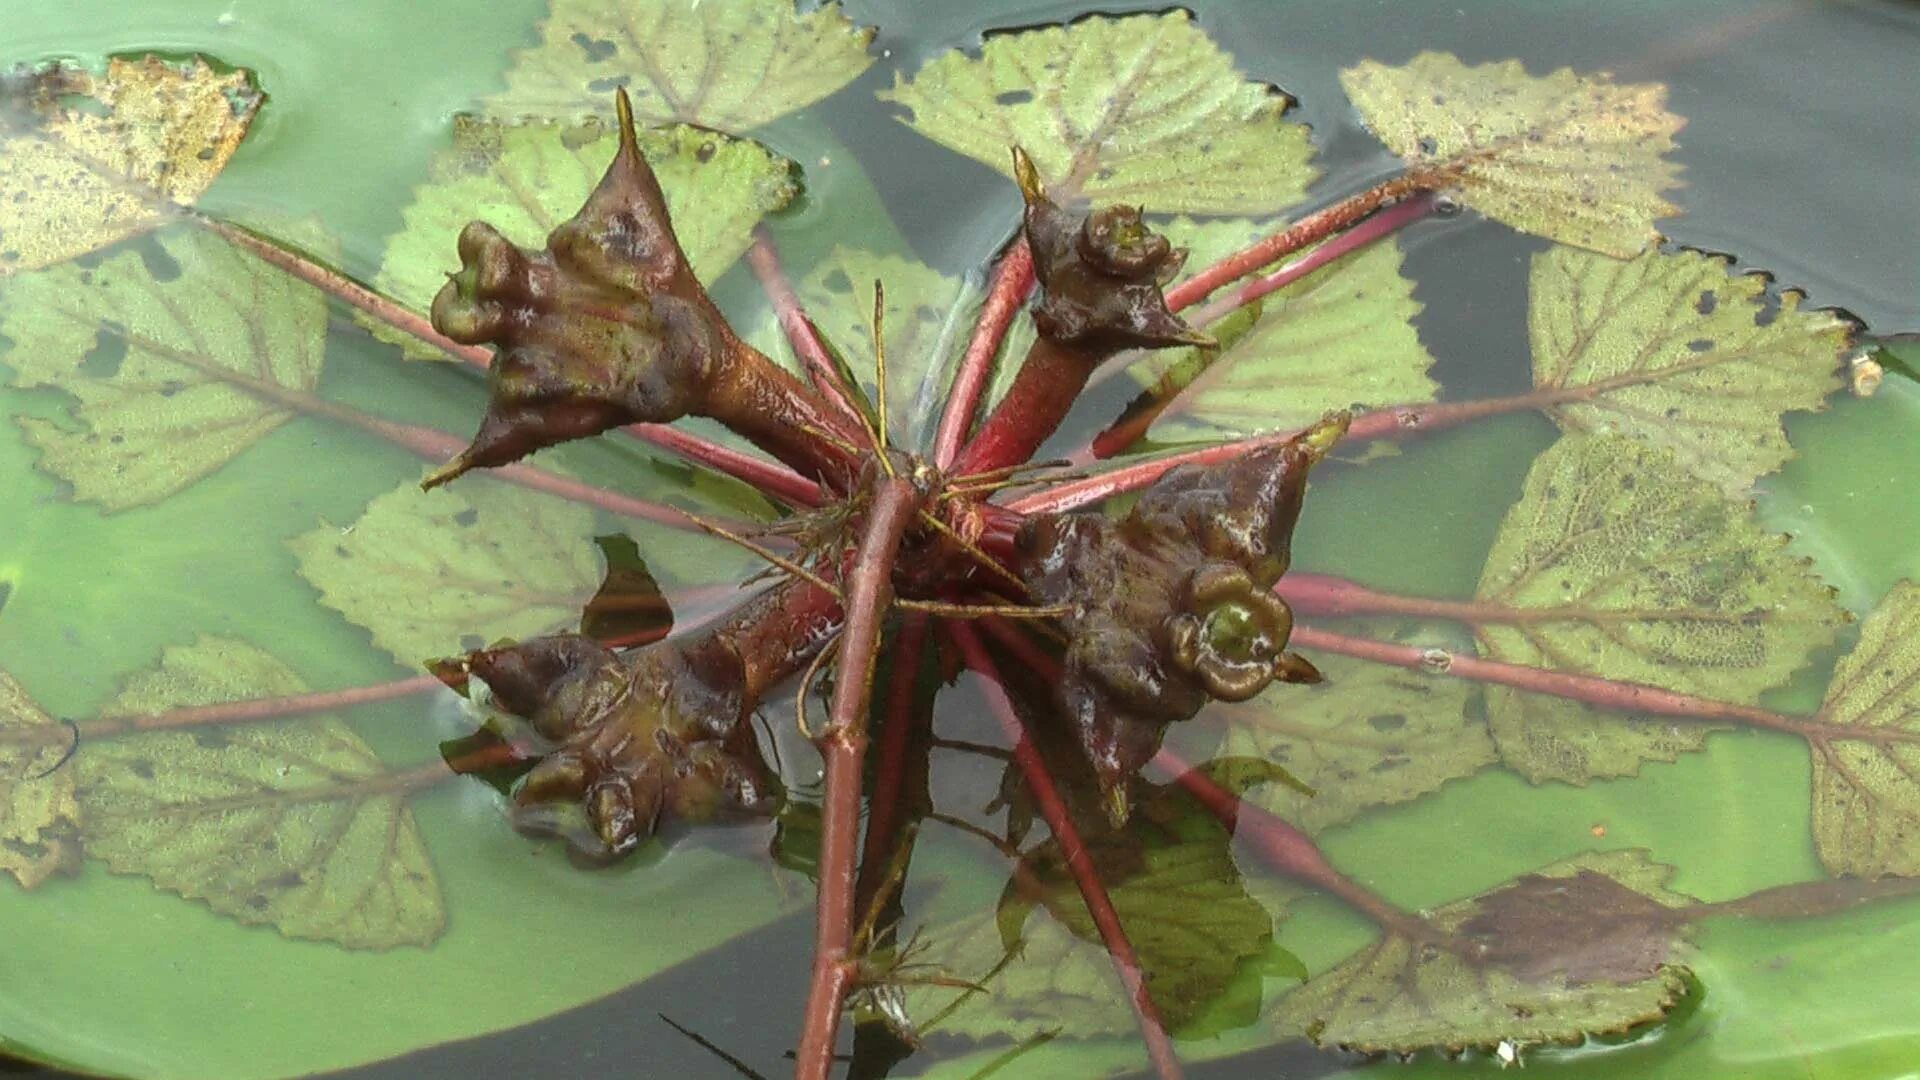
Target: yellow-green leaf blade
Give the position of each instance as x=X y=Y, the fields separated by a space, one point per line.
x=729 y=66
x=1562 y=972
x=432 y=573
x=90 y=159
x=1866 y=793
x=38 y=815
x=1575 y=158
x=172 y=378
x=1370 y=735
x=1142 y=109
x=1616 y=562
x=295 y=824
x=1673 y=349
x=525 y=178
x=1339 y=337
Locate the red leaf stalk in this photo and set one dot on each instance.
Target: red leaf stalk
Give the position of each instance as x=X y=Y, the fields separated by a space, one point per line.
x=1053 y=810
x=767 y=477
x=1605 y=693
x=896 y=741
x=342 y=288
x=869 y=589
x=1311 y=229
x=1012 y=281
x=800 y=331
x=1283 y=847
x=1134 y=425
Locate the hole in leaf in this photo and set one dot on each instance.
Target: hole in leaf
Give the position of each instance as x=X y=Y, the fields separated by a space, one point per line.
x=596 y=49
x=108 y=353
x=160 y=265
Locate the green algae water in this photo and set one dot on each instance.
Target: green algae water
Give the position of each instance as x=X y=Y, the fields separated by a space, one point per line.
x=1796 y=160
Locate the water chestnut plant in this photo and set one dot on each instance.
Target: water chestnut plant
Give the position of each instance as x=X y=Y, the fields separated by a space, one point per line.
x=841 y=569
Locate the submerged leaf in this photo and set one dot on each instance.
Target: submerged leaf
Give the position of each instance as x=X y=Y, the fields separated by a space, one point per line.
x=1339 y=337
x=294 y=824
x=38 y=815
x=729 y=66
x=1579 y=948
x=1179 y=896
x=87 y=160
x=174 y=373
x=1616 y=562
x=526 y=178
x=1866 y=795
x=1370 y=735
x=434 y=573
x=1574 y=158
x=1675 y=350
x=1140 y=109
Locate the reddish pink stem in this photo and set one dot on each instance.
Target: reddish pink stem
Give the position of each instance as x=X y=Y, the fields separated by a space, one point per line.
x=869 y=592
x=343 y=288
x=1012 y=281
x=1392 y=422
x=1284 y=848
x=800 y=331
x=1314 y=227
x=1053 y=810
x=896 y=740
x=1605 y=693
x=1134 y=425
x=769 y=477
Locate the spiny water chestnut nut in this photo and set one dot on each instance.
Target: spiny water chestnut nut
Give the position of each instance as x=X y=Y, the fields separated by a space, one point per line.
x=1172 y=605
x=657 y=736
x=1100 y=275
x=606 y=326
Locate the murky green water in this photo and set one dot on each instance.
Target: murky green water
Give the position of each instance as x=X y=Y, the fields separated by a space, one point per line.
x=1799 y=161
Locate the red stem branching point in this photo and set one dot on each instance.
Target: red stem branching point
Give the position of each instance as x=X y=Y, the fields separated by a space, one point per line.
x=1012 y=281
x=1053 y=810
x=869 y=591
x=801 y=333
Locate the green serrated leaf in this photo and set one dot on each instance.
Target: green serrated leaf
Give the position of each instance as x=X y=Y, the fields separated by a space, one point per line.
x=1597 y=959
x=1616 y=562
x=432 y=573
x=1338 y=337
x=88 y=159
x=1866 y=801
x=174 y=376
x=727 y=66
x=1673 y=349
x=1184 y=907
x=1370 y=735
x=525 y=178
x=1142 y=109
x=296 y=824
x=38 y=814
x=1574 y=158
